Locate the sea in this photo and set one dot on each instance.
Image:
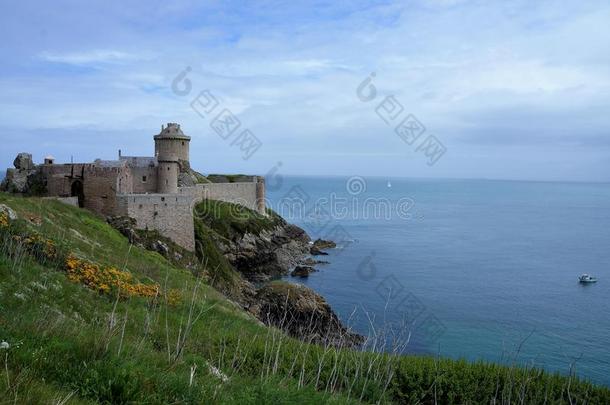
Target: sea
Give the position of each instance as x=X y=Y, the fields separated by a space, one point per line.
x=465 y=269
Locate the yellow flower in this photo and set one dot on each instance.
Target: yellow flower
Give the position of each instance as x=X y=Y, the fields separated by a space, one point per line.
x=3 y=219
x=105 y=279
x=174 y=297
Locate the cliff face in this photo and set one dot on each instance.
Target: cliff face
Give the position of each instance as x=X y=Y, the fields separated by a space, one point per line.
x=257 y=247
x=244 y=250
x=269 y=254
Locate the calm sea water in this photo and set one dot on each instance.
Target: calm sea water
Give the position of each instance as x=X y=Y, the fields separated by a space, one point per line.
x=476 y=267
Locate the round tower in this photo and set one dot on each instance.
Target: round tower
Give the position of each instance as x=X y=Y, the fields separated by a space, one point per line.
x=172 y=141
x=172 y=153
x=167 y=174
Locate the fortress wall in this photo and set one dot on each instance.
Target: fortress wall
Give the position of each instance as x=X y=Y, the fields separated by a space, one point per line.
x=170 y=214
x=101 y=186
x=237 y=193
x=58 y=177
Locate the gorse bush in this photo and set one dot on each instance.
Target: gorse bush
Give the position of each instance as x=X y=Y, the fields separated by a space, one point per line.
x=105 y=279
x=4 y=223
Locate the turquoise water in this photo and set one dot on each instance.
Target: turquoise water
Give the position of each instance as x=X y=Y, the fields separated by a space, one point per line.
x=477 y=268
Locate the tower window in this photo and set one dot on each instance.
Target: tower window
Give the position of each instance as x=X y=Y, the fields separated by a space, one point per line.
x=168 y=168
x=182 y=143
x=166 y=182
x=143 y=179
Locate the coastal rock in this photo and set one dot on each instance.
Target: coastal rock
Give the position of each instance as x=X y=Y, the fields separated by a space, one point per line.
x=257 y=250
x=269 y=254
x=303 y=314
x=319 y=245
x=302 y=271
x=310 y=261
x=314 y=251
x=324 y=244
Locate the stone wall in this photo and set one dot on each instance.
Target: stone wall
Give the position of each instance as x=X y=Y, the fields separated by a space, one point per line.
x=142 y=185
x=60 y=177
x=246 y=194
x=101 y=186
x=170 y=214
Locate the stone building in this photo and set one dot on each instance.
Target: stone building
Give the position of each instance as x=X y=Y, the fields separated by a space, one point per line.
x=159 y=192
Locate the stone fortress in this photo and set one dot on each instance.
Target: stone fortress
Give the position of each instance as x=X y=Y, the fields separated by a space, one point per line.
x=159 y=192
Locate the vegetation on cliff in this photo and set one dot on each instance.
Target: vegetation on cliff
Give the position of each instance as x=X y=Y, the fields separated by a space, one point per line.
x=219 y=228
x=232 y=221
x=63 y=341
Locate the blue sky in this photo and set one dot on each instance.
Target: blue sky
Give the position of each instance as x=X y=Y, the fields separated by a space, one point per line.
x=513 y=89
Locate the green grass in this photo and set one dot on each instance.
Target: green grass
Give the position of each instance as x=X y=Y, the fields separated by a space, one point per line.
x=232 y=221
x=222 y=275
x=230 y=178
x=68 y=341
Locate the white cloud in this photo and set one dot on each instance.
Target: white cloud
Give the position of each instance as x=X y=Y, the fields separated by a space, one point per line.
x=92 y=57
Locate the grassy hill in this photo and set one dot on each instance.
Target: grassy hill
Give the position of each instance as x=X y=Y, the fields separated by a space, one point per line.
x=89 y=318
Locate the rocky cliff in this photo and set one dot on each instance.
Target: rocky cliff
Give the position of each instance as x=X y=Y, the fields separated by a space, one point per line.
x=245 y=250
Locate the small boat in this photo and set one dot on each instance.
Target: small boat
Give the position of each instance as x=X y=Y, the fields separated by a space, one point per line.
x=389 y=184
x=585 y=278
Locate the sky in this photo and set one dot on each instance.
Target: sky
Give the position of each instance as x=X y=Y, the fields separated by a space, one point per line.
x=503 y=89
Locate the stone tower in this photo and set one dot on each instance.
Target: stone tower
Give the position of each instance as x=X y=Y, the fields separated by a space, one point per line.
x=172 y=153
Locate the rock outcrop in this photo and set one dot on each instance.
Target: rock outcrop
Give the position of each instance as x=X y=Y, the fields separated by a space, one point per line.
x=303 y=314
x=23 y=161
x=319 y=245
x=302 y=271
x=310 y=261
x=25 y=178
x=270 y=254
x=189 y=177
x=324 y=244
x=296 y=309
